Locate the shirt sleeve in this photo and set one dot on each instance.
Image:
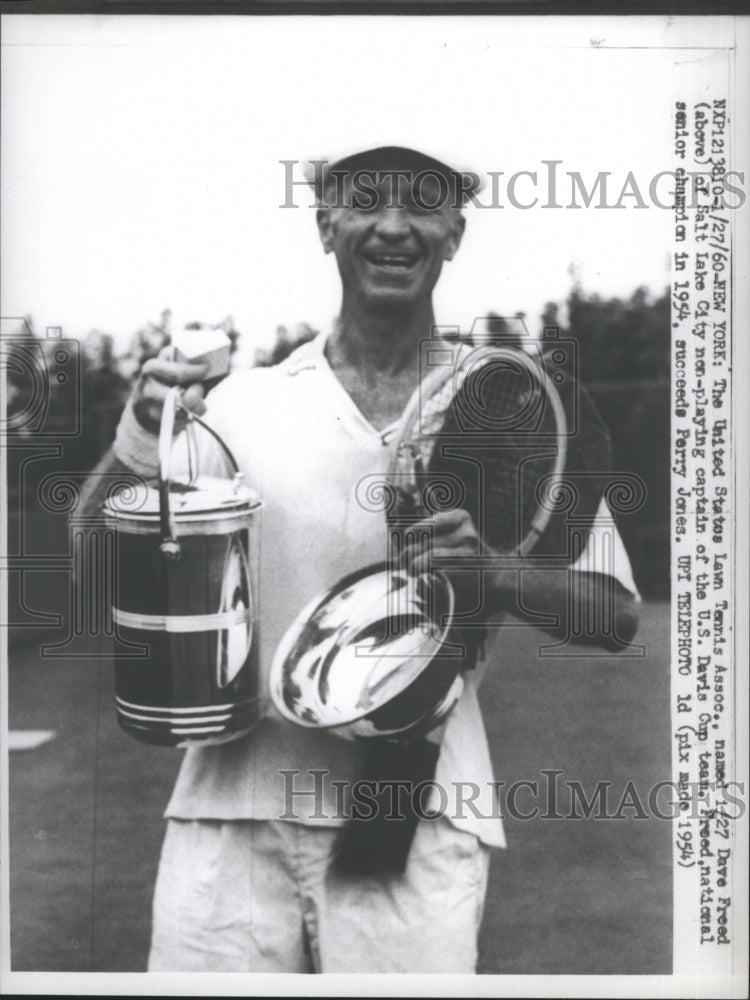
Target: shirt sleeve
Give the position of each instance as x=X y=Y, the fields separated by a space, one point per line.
x=605 y=551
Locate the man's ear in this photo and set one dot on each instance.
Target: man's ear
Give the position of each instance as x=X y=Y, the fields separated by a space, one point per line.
x=325 y=228
x=458 y=224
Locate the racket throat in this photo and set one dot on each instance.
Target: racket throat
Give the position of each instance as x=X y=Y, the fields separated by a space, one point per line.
x=409 y=482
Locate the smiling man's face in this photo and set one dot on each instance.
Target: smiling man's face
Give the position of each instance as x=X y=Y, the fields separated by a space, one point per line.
x=390 y=248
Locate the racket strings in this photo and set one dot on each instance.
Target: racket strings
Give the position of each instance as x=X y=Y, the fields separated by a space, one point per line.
x=491 y=428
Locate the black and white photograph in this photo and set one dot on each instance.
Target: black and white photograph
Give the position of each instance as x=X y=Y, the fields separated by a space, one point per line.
x=374 y=474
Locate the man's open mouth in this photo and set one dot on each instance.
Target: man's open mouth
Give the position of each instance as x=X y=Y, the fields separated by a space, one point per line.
x=392 y=261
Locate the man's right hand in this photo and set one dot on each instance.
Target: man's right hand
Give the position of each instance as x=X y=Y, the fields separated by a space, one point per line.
x=135 y=443
x=157 y=377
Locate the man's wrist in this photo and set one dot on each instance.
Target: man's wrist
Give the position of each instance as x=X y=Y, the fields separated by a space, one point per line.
x=503 y=584
x=136 y=447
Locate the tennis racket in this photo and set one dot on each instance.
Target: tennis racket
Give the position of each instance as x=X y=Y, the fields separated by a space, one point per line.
x=486 y=433
x=512 y=439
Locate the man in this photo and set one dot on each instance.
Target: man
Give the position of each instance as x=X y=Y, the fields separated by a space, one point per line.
x=239 y=888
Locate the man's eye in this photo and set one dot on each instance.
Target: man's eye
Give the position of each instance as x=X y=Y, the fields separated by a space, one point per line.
x=423 y=209
x=425 y=204
x=364 y=204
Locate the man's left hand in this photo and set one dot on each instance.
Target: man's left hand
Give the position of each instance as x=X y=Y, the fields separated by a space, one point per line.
x=450 y=534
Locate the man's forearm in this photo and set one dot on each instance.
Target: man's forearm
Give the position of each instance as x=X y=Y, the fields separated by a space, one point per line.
x=587 y=607
x=100 y=482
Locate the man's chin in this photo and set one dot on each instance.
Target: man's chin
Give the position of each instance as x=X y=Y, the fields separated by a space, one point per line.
x=390 y=301
x=393 y=295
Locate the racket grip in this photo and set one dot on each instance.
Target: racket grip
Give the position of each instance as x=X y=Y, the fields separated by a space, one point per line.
x=404 y=512
x=407 y=506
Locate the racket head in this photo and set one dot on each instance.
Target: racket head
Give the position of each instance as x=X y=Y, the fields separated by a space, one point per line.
x=486 y=433
x=588 y=477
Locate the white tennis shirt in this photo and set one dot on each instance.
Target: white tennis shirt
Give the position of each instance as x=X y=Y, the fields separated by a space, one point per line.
x=301 y=441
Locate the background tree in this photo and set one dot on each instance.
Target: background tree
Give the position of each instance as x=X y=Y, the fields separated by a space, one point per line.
x=286 y=342
x=624 y=362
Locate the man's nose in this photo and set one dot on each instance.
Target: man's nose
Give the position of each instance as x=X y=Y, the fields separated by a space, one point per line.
x=392 y=223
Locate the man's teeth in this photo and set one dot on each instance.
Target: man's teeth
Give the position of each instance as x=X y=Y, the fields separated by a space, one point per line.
x=391 y=260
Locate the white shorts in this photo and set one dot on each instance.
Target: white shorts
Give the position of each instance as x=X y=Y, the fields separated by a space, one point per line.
x=257 y=896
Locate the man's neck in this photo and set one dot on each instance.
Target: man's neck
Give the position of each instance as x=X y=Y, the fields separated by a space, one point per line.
x=383 y=342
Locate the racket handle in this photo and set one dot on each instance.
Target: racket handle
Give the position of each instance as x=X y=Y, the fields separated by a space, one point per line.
x=409 y=472
x=407 y=507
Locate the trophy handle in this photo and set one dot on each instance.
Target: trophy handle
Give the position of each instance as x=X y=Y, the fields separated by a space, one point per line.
x=170 y=547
